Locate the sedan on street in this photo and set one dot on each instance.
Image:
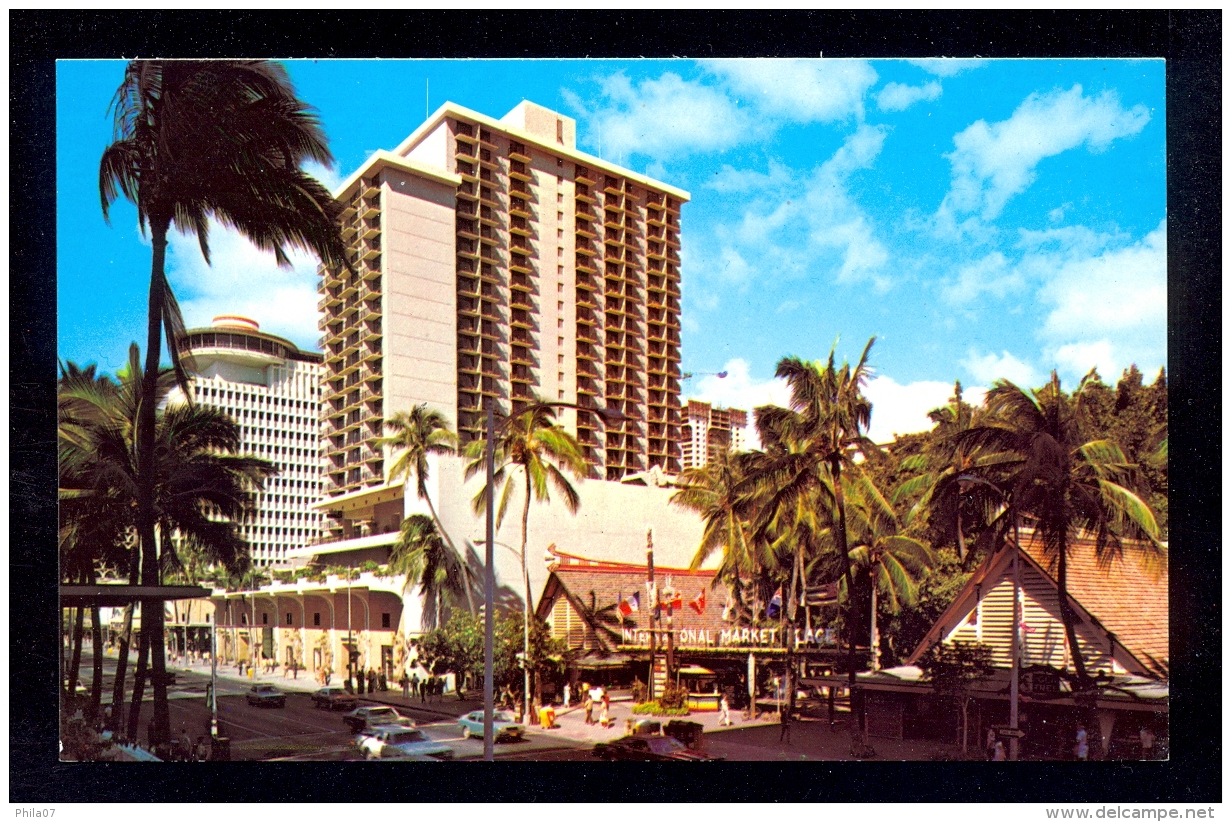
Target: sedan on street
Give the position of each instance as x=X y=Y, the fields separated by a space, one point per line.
x=333 y=699
x=650 y=749
x=369 y=716
x=504 y=726
x=266 y=696
x=407 y=742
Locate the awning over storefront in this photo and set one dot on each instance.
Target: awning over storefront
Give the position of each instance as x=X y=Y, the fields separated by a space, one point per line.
x=114 y=596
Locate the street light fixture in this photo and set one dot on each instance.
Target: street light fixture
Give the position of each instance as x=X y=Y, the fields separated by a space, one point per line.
x=608 y=416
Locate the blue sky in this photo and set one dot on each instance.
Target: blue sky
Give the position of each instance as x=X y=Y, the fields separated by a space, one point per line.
x=982 y=219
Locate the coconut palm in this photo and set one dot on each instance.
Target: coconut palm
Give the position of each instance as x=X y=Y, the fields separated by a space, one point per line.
x=423 y=557
x=810 y=447
x=602 y=624
x=416 y=435
x=1070 y=486
x=713 y=491
x=201 y=486
x=894 y=564
x=532 y=444
x=195 y=140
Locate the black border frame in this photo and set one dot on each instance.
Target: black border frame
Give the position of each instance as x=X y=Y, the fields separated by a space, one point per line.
x=1189 y=40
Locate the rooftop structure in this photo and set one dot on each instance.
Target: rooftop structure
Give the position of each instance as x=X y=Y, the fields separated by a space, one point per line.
x=272 y=390
x=708 y=431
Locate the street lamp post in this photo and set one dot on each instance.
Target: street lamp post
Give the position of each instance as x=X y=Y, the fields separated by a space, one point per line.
x=608 y=416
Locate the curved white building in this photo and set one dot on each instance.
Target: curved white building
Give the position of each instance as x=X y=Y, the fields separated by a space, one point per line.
x=272 y=389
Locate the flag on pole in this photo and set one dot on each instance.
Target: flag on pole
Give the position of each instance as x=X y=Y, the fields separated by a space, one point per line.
x=775 y=605
x=630 y=605
x=675 y=599
x=698 y=604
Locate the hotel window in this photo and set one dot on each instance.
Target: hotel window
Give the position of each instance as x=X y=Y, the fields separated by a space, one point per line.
x=289 y=620
x=316 y=618
x=384 y=620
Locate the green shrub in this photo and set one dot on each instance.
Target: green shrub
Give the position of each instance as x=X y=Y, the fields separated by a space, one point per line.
x=656 y=708
x=674 y=696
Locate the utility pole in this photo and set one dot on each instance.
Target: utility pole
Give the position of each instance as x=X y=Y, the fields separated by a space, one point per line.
x=213 y=676
x=652 y=606
x=489 y=596
x=1015 y=650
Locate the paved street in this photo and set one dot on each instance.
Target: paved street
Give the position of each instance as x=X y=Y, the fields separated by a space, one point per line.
x=301 y=731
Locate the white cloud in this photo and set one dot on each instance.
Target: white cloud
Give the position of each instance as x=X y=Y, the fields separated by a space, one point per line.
x=990 y=275
x=899 y=97
x=663 y=118
x=903 y=409
x=988 y=368
x=246 y=281
x=330 y=178
x=947 y=66
x=792 y=224
x=1056 y=215
x=992 y=163
x=1119 y=295
x=1076 y=359
x=801 y=91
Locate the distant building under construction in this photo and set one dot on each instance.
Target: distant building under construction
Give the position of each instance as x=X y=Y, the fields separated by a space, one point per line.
x=709 y=431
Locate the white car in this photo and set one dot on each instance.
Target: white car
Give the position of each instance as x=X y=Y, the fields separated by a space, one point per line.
x=399 y=742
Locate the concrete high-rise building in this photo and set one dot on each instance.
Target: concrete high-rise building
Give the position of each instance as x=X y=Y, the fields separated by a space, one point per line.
x=496 y=261
x=709 y=431
x=272 y=389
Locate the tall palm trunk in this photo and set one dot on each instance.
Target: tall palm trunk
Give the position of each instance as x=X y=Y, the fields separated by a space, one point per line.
x=96 y=645
x=449 y=541
x=139 y=674
x=151 y=610
x=844 y=553
x=74 y=665
x=525 y=571
x=121 y=669
x=1066 y=614
x=121 y=663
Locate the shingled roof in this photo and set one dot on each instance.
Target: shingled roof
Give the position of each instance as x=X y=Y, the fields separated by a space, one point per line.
x=576 y=577
x=1127 y=597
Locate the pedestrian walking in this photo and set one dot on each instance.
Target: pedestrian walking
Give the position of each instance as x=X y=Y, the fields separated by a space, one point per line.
x=1082 y=748
x=998 y=752
x=724 y=711
x=382 y=681
x=567 y=694
x=589 y=706
x=604 y=716
x=405 y=683
x=371 y=681
x=1147 y=743
x=784 y=732
x=990 y=744
x=422 y=688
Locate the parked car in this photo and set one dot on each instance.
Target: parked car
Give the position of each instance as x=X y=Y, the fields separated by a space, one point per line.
x=333 y=699
x=407 y=741
x=369 y=716
x=504 y=726
x=642 y=748
x=266 y=696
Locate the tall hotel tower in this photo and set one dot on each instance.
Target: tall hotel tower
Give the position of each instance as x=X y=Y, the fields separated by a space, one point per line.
x=272 y=389
x=496 y=261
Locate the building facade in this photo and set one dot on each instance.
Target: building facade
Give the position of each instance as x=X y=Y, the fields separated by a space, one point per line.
x=709 y=431
x=495 y=261
x=272 y=390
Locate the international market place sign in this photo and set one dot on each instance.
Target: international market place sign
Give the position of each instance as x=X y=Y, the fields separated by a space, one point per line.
x=729 y=638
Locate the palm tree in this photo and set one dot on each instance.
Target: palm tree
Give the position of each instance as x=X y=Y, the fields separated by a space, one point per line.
x=196 y=140
x=543 y=451
x=601 y=624
x=940 y=487
x=893 y=563
x=713 y=491
x=201 y=487
x=809 y=448
x=422 y=556
x=1069 y=485
x=417 y=434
